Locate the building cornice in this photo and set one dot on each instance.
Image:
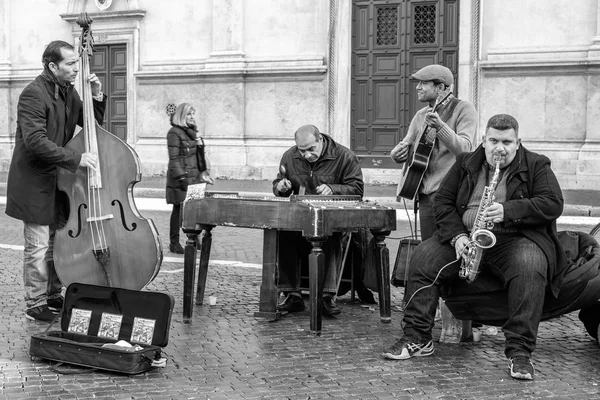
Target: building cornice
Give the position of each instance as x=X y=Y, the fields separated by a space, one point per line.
x=305 y=66
x=108 y=16
x=538 y=67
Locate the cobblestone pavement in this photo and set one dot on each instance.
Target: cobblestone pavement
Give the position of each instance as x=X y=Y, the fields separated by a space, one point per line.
x=226 y=353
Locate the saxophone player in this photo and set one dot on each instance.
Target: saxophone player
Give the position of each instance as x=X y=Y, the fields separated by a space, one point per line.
x=527 y=256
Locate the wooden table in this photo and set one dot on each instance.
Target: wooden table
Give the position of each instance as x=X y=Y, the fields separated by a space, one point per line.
x=316 y=217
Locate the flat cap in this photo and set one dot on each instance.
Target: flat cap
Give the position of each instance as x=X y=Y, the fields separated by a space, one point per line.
x=434 y=72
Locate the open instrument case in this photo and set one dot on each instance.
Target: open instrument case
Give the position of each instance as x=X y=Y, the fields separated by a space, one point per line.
x=94 y=318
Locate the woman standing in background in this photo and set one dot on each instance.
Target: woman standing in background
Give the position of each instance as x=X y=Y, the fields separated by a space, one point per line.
x=188 y=165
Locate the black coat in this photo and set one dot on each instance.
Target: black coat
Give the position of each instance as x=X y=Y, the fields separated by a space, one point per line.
x=338 y=168
x=534 y=202
x=186 y=162
x=46 y=121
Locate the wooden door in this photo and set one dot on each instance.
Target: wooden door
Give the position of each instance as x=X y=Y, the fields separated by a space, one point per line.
x=109 y=63
x=391 y=40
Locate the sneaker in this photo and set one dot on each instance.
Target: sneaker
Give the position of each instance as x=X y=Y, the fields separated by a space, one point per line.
x=521 y=367
x=329 y=306
x=291 y=303
x=40 y=313
x=176 y=248
x=404 y=349
x=56 y=304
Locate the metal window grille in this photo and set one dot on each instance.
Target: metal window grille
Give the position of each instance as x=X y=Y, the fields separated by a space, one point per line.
x=387 y=26
x=424 y=18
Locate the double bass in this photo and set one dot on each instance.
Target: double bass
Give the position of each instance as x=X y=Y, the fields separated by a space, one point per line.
x=105 y=241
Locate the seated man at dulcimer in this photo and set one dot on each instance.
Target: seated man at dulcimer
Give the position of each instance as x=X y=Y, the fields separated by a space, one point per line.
x=511 y=195
x=316 y=165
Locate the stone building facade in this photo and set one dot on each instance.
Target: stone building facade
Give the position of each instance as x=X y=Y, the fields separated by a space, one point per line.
x=257 y=69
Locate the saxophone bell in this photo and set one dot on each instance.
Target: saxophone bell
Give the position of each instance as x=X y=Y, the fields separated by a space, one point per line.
x=484 y=238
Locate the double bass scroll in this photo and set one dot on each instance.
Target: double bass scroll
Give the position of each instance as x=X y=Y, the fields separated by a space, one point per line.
x=105 y=240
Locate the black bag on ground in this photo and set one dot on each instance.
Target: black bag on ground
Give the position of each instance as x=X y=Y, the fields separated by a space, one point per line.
x=405 y=250
x=94 y=318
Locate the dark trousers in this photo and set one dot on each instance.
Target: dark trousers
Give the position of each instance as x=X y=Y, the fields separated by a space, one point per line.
x=175 y=224
x=517 y=261
x=426 y=217
x=294 y=250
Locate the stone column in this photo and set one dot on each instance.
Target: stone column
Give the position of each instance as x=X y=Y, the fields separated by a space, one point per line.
x=228 y=59
x=594 y=51
x=8 y=110
x=588 y=176
x=340 y=63
x=4 y=39
x=228 y=35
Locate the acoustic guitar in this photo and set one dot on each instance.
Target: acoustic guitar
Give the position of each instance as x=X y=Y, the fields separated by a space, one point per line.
x=418 y=157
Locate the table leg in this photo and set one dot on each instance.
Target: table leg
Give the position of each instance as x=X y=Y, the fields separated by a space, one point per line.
x=268 y=288
x=316 y=279
x=383 y=275
x=203 y=269
x=189 y=270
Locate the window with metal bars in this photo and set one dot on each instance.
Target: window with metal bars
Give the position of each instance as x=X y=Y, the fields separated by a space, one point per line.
x=424 y=20
x=387 y=26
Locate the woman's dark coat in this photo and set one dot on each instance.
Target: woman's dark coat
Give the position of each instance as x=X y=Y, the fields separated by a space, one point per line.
x=534 y=202
x=186 y=162
x=47 y=115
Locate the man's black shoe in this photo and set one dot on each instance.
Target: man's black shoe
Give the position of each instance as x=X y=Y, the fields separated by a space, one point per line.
x=366 y=296
x=291 y=303
x=56 y=303
x=40 y=313
x=329 y=306
x=176 y=248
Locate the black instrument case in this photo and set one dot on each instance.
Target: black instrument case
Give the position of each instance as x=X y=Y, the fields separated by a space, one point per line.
x=94 y=318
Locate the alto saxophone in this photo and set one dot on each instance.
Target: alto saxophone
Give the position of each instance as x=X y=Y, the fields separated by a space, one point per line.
x=481 y=236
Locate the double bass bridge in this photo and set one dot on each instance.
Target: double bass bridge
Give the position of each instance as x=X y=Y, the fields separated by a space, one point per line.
x=101 y=218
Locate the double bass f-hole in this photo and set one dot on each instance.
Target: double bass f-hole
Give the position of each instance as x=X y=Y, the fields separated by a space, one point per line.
x=78 y=221
x=121 y=211
x=123 y=222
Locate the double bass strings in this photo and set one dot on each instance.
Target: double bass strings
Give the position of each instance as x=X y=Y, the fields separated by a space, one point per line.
x=94 y=181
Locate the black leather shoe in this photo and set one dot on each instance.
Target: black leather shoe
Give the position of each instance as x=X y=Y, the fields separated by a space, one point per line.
x=176 y=248
x=329 y=306
x=291 y=303
x=366 y=296
x=56 y=303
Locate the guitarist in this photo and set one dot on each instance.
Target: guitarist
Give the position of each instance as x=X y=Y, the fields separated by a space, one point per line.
x=453 y=125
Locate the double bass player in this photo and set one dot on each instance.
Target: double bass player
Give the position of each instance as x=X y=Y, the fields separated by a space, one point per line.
x=48 y=111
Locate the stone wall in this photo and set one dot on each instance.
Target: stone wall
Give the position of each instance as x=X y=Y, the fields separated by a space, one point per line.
x=540 y=61
x=257 y=69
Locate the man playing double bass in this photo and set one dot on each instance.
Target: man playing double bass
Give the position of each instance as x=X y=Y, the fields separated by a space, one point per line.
x=48 y=110
x=455 y=125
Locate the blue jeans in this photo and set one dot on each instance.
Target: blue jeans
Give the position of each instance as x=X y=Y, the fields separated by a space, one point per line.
x=39 y=276
x=517 y=261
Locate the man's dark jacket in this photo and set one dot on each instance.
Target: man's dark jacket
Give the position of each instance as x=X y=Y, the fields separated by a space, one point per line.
x=534 y=202
x=337 y=167
x=46 y=118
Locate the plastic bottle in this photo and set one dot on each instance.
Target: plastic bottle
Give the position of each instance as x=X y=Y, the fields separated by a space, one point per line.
x=491 y=330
